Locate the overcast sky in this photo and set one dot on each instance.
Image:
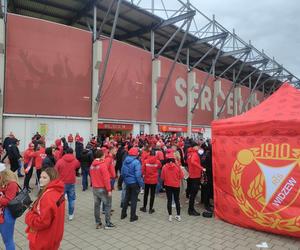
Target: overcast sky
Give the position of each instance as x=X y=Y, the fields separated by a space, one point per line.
x=272 y=25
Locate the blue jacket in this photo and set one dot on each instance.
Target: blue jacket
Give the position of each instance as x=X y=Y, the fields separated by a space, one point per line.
x=132 y=171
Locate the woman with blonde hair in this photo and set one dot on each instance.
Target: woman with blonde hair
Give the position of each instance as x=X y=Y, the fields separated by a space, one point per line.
x=8 y=191
x=45 y=219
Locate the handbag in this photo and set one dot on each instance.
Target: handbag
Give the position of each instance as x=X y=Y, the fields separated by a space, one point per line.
x=20 y=203
x=203 y=178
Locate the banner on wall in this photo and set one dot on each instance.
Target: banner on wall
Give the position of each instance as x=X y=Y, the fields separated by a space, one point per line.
x=256 y=164
x=43 y=129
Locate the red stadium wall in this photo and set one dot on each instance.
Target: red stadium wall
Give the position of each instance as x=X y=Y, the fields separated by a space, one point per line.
x=169 y=110
x=48 y=72
x=203 y=114
x=48 y=68
x=126 y=93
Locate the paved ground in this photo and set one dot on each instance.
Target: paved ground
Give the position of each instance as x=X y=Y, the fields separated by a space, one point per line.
x=154 y=231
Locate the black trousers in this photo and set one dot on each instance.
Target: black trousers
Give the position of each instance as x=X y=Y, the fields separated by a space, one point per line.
x=132 y=191
x=194 y=188
x=151 y=188
x=187 y=191
x=173 y=192
x=27 y=176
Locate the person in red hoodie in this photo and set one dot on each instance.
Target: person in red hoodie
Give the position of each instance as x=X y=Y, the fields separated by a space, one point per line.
x=195 y=171
x=8 y=191
x=172 y=175
x=66 y=168
x=45 y=219
x=58 y=152
x=100 y=177
x=150 y=169
x=29 y=163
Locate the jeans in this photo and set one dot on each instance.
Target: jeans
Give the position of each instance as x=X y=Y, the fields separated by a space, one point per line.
x=20 y=167
x=159 y=185
x=123 y=193
x=132 y=191
x=194 y=188
x=85 y=173
x=100 y=194
x=7 y=230
x=152 y=188
x=70 y=191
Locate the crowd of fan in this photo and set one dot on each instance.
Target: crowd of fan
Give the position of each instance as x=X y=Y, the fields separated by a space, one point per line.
x=147 y=164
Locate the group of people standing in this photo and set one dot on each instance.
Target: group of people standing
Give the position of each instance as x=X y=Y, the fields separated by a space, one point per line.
x=147 y=164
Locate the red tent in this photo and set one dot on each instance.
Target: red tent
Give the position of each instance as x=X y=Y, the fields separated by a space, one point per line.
x=256 y=165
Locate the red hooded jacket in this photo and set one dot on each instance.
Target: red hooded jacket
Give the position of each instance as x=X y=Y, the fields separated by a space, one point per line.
x=172 y=175
x=194 y=166
x=150 y=169
x=39 y=157
x=45 y=221
x=7 y=193
x=66 y=167
x=100 y=176
x=109 y=160
x=28 y=155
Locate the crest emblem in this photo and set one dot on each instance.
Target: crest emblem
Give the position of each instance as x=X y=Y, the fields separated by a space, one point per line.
x=266 y=183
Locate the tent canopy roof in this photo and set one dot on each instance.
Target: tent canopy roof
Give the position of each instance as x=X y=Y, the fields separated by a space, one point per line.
x=277 y=115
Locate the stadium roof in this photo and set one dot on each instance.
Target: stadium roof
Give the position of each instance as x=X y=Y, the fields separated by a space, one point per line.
x=237 y=60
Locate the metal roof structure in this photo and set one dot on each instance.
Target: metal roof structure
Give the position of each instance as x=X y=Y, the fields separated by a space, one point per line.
x=183 y=34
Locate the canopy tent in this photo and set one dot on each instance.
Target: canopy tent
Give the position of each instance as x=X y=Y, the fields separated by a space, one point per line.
x=256 y=165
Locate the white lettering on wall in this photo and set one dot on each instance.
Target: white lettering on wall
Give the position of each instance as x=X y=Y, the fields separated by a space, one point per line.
x=206 y=98
x=180 y=99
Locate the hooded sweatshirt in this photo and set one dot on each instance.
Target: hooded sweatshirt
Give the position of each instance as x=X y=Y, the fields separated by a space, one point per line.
x=66 y=167
x=100 y=175
x=132 y=171
x=150 y=169
x=7 y=193
x=194 y=166
x=172 y=174
x=45 y=221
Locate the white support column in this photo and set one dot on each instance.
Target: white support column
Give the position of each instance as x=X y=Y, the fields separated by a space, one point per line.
x=237 y=96
x=97 y=58
x=191 y=85
x=2 y=71
x=155 y=76
x=217 y=93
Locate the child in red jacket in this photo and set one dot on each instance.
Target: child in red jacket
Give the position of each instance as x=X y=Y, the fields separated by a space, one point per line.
x=172 y=175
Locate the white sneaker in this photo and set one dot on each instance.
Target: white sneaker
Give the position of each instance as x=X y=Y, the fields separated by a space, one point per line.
x=178 y=218
x=170 y=218
x=71 y=216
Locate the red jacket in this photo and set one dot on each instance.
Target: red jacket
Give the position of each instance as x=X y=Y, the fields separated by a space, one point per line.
x=66 y=167
x=150 y=169
x=45 y=221
x=194 y=165
x=144 y=156
x=109 y=160
x=28 y=155
x=171 y=175
x=100 y=176
x=39 y=157
x=7 y=193
x=70 y=138
x=160 y=155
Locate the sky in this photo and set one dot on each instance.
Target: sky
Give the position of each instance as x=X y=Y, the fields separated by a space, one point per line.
x=272 y=25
